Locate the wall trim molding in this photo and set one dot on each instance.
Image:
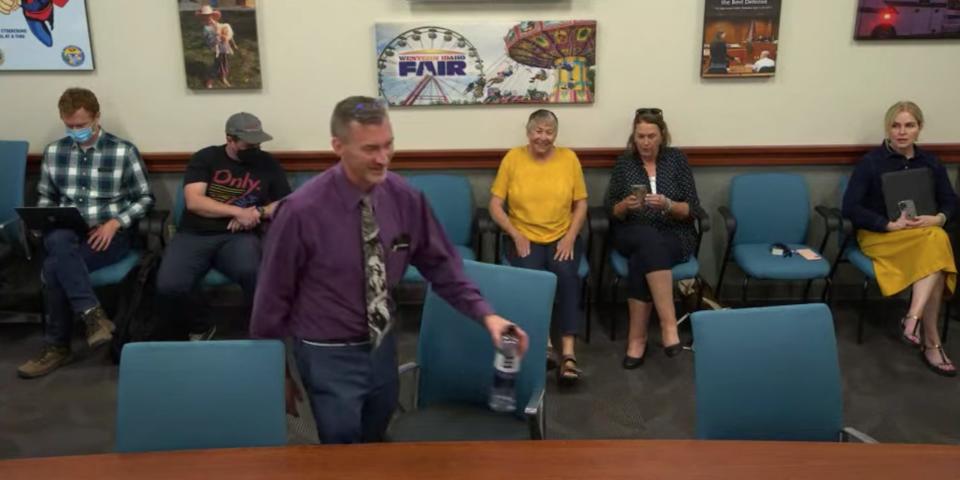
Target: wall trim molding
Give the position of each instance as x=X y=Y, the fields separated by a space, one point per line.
x=772 y=155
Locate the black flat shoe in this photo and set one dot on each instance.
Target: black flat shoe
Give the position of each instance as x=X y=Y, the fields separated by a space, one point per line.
x=630 y=363
x=673 y=350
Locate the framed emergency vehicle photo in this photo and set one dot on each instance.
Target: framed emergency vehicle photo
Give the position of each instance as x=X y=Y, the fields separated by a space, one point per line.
x=907 y=19
x=44 y=35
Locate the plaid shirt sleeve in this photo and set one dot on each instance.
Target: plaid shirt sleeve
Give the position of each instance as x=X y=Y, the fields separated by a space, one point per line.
x=137 y=188
x=47 y=190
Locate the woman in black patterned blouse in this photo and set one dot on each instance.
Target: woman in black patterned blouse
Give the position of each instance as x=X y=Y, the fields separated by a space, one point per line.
x=654 y=231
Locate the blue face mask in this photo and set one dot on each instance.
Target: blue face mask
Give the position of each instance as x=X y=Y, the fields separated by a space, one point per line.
x=80 y=135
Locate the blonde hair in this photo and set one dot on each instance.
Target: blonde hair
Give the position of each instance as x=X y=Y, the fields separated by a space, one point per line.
x=901 y=106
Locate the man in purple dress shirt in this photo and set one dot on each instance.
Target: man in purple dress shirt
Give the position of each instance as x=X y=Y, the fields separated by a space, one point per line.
x=313 y=285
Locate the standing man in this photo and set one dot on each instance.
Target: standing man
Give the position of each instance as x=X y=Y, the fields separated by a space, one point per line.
x=228 y=191
x=337 y=247
x=103 y=176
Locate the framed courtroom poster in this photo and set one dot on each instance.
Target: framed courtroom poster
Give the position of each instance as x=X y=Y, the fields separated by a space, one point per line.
x=740 y=38
x=44 y=35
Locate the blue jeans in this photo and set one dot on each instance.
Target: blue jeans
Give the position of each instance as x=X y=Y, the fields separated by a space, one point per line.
x=187 y=260
x=568 y=313
x=66 y=278
x=353 y=391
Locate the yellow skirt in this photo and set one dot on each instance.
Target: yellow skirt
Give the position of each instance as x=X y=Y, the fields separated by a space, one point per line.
x=902 y=257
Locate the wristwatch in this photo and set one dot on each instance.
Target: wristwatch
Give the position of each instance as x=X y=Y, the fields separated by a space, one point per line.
x=263 y=212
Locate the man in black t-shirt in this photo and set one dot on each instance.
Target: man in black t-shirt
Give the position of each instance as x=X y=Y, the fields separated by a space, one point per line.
x=229 y=191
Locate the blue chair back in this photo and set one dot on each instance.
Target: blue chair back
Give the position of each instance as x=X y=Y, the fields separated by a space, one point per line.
x=451 y=199
x=300 y=178
x=844 y=180
x=13 y=157
x=770 y=207
x=186 y=395
x=455 y=353
x=179 y=204
x=767 y=373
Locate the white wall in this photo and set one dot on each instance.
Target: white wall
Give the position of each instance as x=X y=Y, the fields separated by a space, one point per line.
x=828 y=88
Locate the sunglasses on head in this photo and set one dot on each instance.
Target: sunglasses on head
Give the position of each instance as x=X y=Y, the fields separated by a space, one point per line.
x=652 y=111
x=376 y=105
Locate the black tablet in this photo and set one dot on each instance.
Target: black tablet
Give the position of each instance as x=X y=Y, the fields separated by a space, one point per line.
x=51 y=218
x=909 y=187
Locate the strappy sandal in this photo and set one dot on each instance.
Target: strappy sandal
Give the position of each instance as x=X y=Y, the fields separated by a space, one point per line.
x=938 y=368
x=913 y=338
x=568 y=373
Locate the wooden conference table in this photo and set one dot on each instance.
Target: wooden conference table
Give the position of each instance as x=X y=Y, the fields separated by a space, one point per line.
x=580 y=459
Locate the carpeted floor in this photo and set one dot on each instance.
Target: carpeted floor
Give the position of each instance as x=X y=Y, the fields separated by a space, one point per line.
x=888 y=393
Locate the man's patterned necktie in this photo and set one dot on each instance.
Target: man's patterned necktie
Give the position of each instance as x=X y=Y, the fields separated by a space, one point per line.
x=375 y=271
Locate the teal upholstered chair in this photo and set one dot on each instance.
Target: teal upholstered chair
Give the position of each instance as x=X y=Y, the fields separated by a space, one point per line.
x=149 y=229
x=768 y=208
x=213 y=278
x=186 y=395
x=690 y=269
x=849 y=252
x=454 y=367
x=769 y=373
x=300 y=178
x=13 y=157
x=451 y=199
x=583 y=269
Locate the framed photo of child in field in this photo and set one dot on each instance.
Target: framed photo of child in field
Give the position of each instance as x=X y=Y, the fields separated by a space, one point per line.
x=220 y=47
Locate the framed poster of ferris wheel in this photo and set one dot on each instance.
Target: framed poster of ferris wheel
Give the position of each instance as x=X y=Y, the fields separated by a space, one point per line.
x=435 y=63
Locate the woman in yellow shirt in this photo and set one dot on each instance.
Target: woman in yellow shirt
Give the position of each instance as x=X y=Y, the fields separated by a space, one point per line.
x=547 y=197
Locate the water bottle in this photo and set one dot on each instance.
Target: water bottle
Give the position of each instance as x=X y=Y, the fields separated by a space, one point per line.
x=506 y=365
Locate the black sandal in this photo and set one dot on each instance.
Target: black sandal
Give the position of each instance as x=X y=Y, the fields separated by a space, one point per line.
x=568 y=374
x=913 y=338
x=938 y=368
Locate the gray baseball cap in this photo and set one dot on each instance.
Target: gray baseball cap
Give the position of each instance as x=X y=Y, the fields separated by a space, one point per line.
x=247 y=127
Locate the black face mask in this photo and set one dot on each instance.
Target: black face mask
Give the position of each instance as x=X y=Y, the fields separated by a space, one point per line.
x=249 y=155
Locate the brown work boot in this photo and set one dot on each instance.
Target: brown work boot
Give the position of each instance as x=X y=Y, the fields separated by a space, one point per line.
x=51 y=358
x=99 y=327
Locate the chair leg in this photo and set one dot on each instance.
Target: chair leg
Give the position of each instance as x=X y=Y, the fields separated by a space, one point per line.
x=826 y=296
x=613 y=316
x=699 y=282
x=863 y=306
x=806 y=291
x=723 y=270
x=586 y=308
x=743 y=293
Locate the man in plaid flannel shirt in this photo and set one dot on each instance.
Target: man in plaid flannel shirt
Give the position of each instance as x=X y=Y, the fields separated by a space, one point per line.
x=103 y=176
